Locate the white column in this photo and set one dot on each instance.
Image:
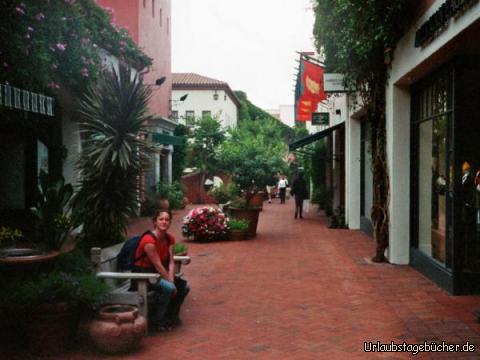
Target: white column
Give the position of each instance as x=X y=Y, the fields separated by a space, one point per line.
x=169 y=164
x=156 y=167
x=398 y=160
x=352 y=171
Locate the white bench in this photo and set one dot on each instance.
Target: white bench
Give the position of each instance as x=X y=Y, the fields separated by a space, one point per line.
x=105 y=262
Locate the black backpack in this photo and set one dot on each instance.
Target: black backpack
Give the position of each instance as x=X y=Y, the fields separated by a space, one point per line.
x=126 y=257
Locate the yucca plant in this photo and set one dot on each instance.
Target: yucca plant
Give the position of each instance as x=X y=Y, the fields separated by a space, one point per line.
x=115 y=152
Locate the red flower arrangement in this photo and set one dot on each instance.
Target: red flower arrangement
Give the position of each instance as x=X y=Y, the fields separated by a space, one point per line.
x=206 y=223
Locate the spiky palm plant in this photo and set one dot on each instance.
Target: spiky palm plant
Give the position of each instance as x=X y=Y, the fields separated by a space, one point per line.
x=113 y=119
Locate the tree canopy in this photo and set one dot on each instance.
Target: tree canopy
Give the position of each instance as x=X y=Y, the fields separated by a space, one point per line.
x=356 y=38
x=51 y=44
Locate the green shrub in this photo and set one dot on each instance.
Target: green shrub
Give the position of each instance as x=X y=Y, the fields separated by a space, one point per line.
x=224 y=193
x=238 y=224
x=179 y=248
x=72 y=280
x=173 y=192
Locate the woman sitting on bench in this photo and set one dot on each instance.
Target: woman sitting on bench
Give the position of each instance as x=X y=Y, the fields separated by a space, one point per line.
x=155 y=254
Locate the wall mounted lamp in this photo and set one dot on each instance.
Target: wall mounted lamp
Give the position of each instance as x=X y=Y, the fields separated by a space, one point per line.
x=158 y=82
x=215 y=95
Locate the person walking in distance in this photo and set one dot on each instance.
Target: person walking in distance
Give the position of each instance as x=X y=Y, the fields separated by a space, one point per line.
x=300 y=192
x=282 y=188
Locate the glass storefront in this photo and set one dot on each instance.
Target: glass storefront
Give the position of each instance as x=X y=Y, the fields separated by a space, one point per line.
x=445 y=233
x=432 y=124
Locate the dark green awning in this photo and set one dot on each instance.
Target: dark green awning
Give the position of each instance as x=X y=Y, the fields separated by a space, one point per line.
x=166 y=139
x=314 y=137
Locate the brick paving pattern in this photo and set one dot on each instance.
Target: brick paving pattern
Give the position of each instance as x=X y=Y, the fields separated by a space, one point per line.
x=302 y=291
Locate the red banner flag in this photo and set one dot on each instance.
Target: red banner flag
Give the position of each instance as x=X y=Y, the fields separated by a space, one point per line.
x=309 y=91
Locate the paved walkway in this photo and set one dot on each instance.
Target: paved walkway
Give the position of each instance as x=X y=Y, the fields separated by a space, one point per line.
x=302 y=291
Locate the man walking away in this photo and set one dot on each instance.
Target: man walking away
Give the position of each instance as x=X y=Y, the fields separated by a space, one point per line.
x=299 y=190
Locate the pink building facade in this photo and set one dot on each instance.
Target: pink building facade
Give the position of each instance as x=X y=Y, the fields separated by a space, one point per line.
x=148 y=23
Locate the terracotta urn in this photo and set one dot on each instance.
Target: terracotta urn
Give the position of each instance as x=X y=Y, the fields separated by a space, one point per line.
x=117 y=328
x=164 y=203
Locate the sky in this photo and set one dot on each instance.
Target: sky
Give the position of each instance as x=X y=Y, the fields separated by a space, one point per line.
x=250 y=44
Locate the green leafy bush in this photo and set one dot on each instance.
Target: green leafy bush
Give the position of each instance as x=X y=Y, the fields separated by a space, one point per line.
x=238 y=224
x=224 y=193
x=173 y=192
x=72 y=280
x=179 y=248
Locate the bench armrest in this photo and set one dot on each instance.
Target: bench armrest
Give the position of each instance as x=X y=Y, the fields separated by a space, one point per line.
x=185 y=260
x=128 y=276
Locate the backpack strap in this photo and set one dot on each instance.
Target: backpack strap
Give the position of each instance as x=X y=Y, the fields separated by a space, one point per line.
x=148 y=232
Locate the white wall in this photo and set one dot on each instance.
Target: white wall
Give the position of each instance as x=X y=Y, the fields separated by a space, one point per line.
x=287 y=114
x=224 y=109
x=406 y=58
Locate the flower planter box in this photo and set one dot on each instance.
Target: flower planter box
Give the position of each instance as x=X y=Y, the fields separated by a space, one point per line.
x=247 y=214
x=236 y=235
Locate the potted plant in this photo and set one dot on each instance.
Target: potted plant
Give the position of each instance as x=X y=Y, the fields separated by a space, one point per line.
x=224 y=194
x=251 y=158
x=47 y=307
x=179 y=249
x=54 y=223
x=238 y=229
x=205 y=224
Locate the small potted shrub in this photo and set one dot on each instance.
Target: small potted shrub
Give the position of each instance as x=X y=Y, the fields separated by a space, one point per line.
x=47 y=307
x=238 y=229
x=179 y=249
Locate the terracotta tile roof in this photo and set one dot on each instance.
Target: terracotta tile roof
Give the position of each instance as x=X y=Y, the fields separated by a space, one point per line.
x=192 y=79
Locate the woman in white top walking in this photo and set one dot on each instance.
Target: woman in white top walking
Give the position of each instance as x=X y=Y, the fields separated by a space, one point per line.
x=282 y=188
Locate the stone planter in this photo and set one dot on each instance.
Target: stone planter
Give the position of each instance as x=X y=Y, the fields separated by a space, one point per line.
x=257 y=200
x=247 y=214
x=117 y=328
x=236 y=235
x=21 y=261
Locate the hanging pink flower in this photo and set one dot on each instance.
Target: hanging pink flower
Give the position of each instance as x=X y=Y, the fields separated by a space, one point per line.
x=84 y=72
x=61 y=46
x=30 y=29
x=19 y=10
x=53 y=85
x=40 y=16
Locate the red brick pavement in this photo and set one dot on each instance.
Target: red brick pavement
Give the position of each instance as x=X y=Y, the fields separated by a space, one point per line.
x=302 y=291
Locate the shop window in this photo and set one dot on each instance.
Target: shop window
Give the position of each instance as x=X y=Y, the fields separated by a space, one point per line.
x=434 y=167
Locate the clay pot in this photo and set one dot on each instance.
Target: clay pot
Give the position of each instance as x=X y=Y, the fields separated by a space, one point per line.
x=117 y=328
x=164 y=203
